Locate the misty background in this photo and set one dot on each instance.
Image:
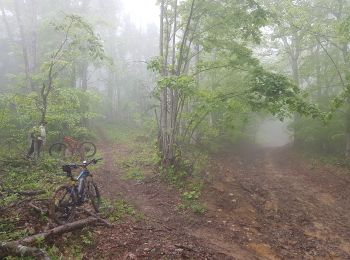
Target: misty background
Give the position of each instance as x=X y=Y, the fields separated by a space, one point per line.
x=122 y=89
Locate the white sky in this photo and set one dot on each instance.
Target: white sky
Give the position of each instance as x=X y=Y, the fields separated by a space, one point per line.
x=142 y=12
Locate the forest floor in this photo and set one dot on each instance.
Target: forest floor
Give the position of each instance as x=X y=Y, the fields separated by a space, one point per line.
x=260 y=204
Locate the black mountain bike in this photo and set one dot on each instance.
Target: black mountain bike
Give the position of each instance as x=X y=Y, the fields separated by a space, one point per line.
x=82 y=190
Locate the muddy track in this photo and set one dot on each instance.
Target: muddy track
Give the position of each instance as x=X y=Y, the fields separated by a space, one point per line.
x=261 y=204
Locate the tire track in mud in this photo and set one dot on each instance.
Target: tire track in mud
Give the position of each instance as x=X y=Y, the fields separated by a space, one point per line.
x=283 y=211
x=318 y=217
x=163 y=234
x=261 y=204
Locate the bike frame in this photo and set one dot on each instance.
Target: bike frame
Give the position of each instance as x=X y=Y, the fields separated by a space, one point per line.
x=72 y=144
x=84 y=173
x=81 y=178
x=75 y=191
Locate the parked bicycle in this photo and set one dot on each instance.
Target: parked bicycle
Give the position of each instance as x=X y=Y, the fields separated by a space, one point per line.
x=81 y=191
x=70 y=147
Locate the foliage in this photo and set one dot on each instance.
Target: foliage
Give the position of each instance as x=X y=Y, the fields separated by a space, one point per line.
x=279 y=96
x=134 y=173
x=190 y=198
x=216 y=87
x=18 y=176
x=118 y=209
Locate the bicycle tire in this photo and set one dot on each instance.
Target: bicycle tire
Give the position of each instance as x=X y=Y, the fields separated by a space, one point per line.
x=58 y=150
x=87 y=149
x=63 y=205
x=94 y=195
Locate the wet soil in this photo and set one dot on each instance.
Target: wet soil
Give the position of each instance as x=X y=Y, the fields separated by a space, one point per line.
x=260 y=204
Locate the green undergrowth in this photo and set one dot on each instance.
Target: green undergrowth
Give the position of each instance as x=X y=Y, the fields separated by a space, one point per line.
x=73 y=245
x=21 y=175
x=124 y=134
x=188 y=179
x=142 y=155
x=134 y=173
x=190 y=198
x=26 y=175
x=317 y=160
x=9 y=228
x=118 y=209
x=70 y=246
x=18 y=175
x=140 y=150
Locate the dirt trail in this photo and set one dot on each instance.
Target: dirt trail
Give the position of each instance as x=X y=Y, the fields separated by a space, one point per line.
x=261 y=204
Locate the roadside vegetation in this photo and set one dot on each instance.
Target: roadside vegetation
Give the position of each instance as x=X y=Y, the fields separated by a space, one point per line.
x=170 y=96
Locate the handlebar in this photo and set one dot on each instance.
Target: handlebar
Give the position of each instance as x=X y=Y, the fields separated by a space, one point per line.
x=68 y=167
x=85 y=163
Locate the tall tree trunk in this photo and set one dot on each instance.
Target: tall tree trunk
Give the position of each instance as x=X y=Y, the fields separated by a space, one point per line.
x=113 y=96
x=173 y=93
x=163 y=96
x=73 y=77
x=29 y=84
x=84 y=75
x=345 y=52
x=33 y=63
x=116 y=97
x=347 y=129
x=4 y=19
x=294 y=51
x=170 y=102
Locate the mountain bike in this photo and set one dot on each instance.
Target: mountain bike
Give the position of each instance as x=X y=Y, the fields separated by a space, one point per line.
x=81 y=191
x=70 y=147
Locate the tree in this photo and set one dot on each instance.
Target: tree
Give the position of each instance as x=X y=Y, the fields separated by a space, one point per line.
x=224 y=28
x=78 y=37
x=312 y=35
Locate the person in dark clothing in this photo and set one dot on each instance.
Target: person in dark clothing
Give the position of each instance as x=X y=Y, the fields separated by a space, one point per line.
x=37 y=139
x=31 y=147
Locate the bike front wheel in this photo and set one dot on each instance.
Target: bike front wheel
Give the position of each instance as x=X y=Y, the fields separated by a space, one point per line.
x=94 y=195
x=87 y=149
x=63 y=205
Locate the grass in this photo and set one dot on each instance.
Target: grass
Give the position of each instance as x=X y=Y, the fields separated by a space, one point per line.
x=190 y=197
x=187 y=178
x=23 y=175
x=190 y=184
x=10 y=232
x=142 y=154
x=134 y=173
x=18 y=174
x=118 y=209
x=29 y=176
x=318 y=159
x=123 y=133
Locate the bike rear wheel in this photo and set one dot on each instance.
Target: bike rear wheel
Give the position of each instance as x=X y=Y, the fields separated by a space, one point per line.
x=87 y=149
x=63 y=206
x=59 y=150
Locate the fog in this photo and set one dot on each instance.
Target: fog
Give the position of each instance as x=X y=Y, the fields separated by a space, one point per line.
x=273 y=133
x=142 y=12
x=178 y=102
x=194 y=82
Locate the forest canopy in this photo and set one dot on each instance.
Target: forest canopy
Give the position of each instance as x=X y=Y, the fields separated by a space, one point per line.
x=208 y=69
